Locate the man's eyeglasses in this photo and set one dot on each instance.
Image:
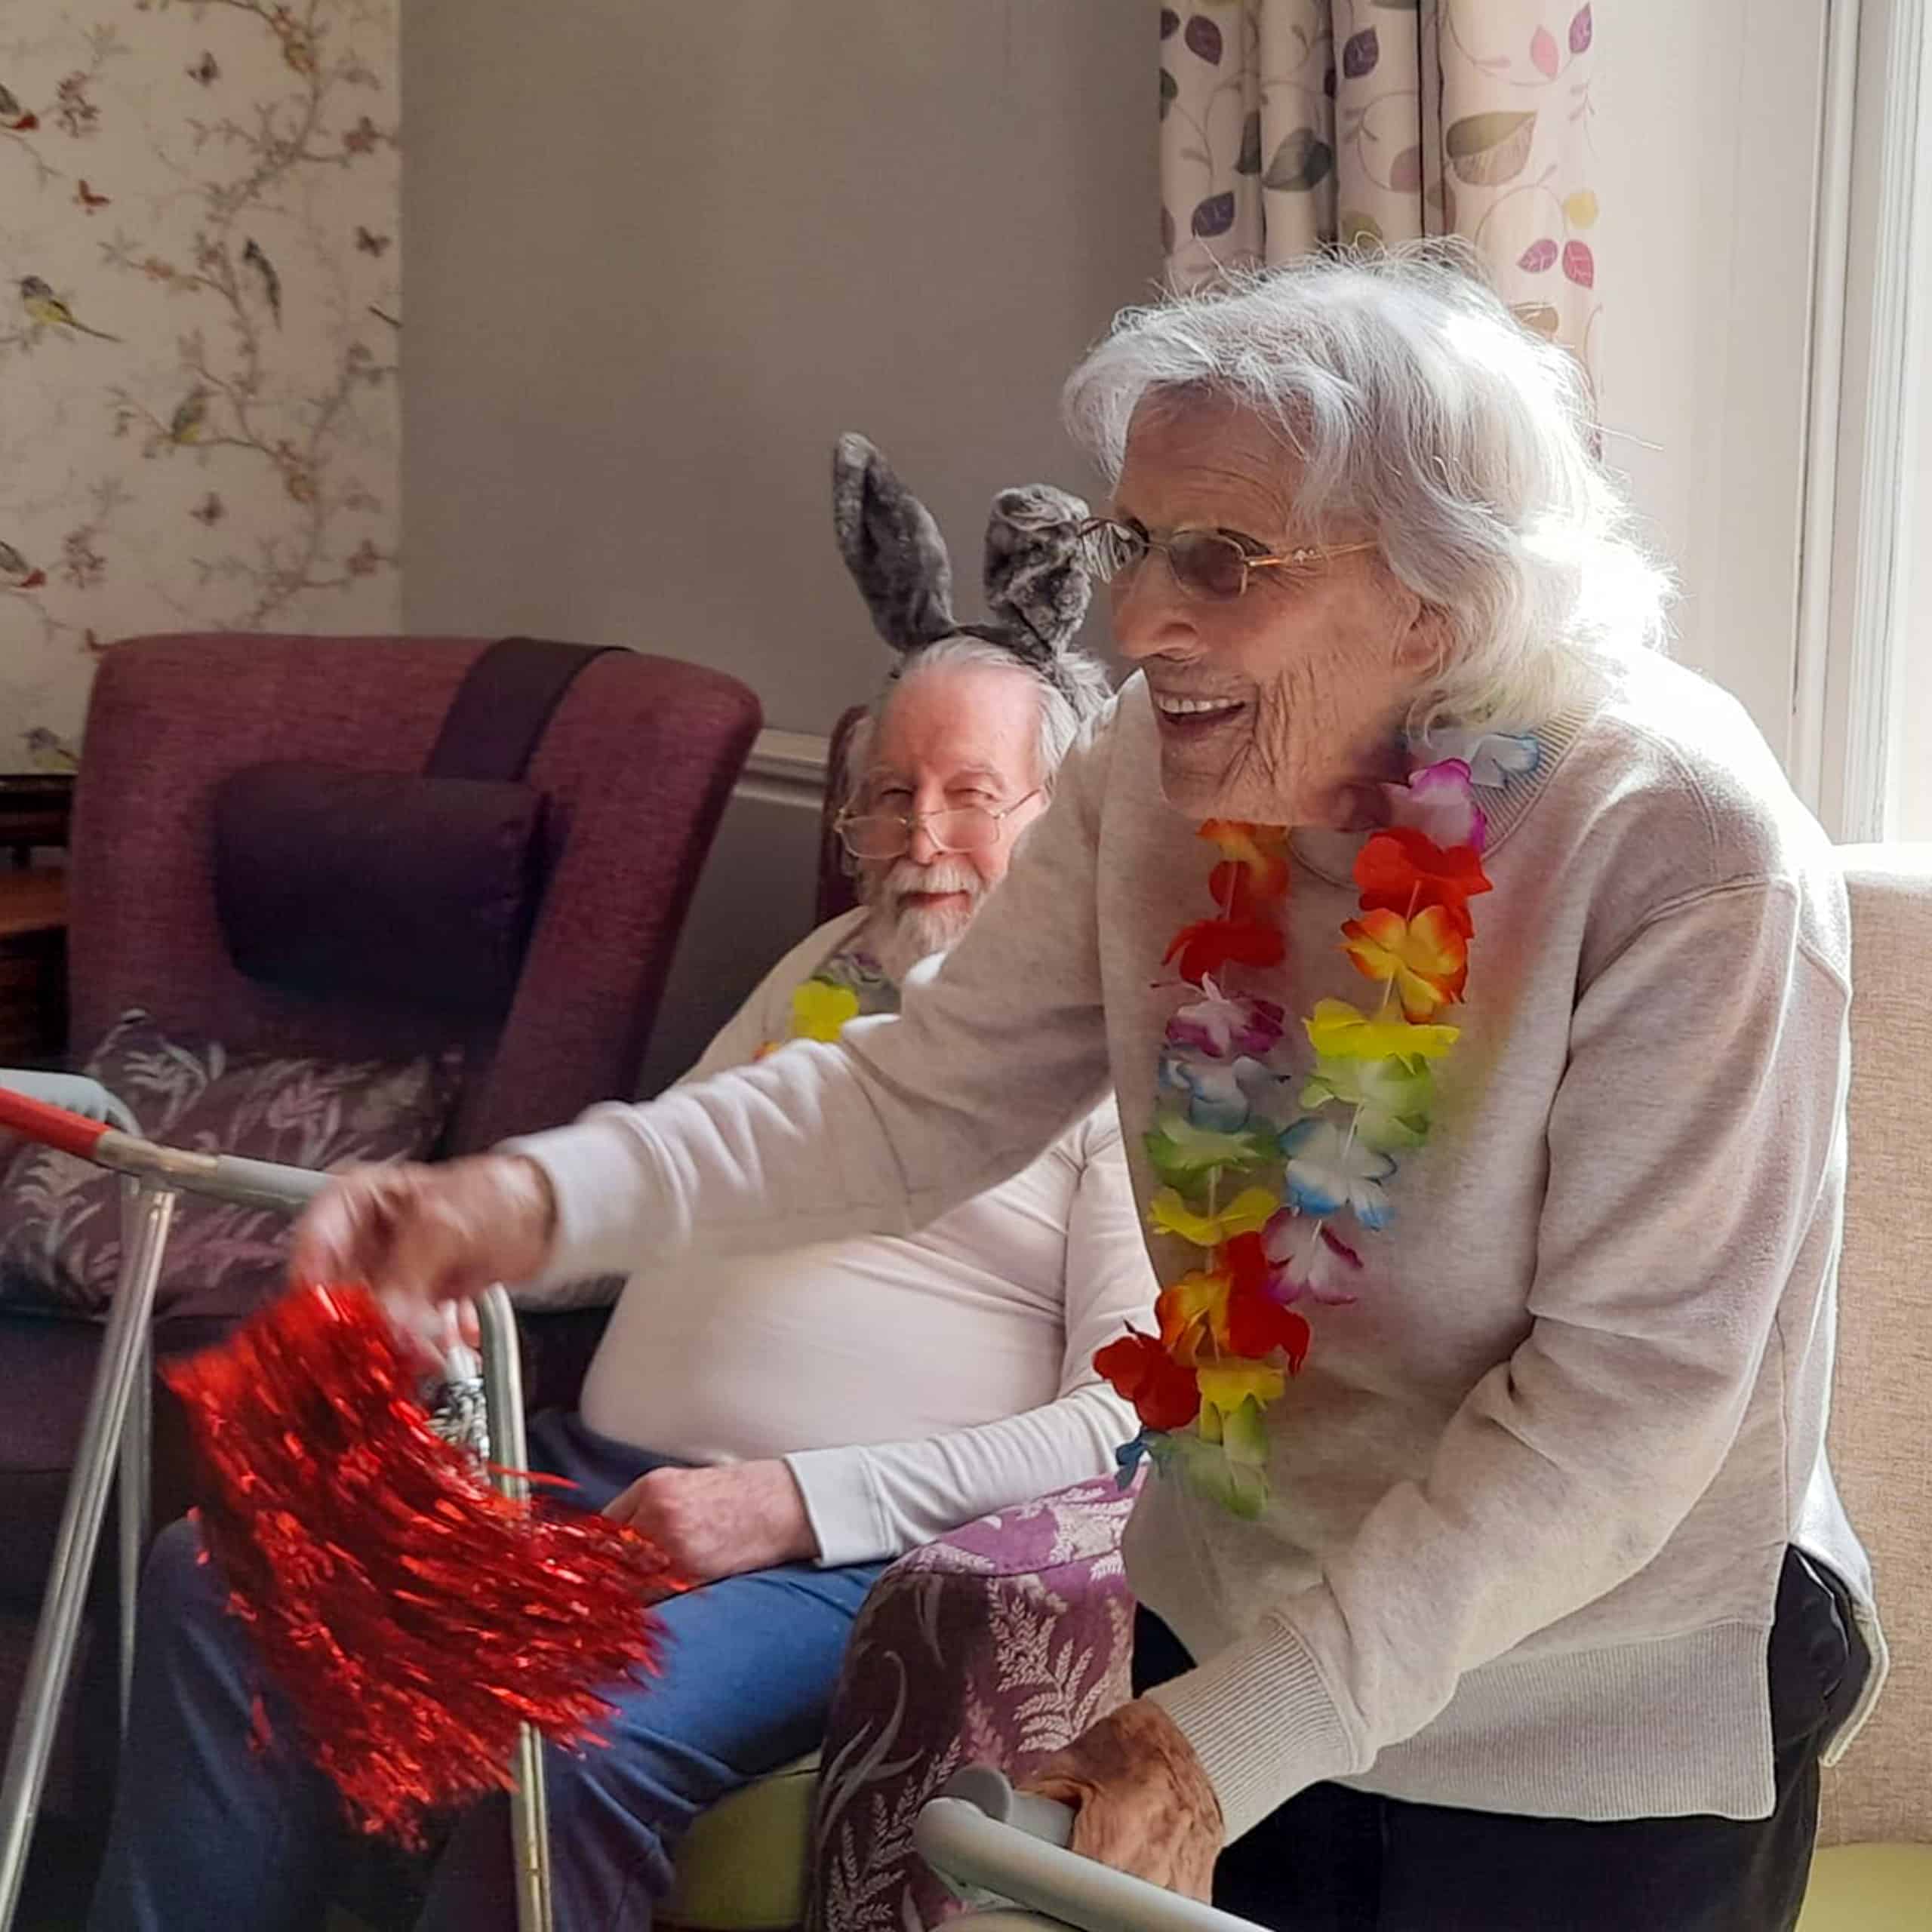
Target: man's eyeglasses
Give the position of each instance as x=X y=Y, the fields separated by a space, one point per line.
x=1210 y=563
x=876 y=834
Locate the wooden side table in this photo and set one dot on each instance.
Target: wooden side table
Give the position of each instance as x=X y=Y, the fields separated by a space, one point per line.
x=33 y=966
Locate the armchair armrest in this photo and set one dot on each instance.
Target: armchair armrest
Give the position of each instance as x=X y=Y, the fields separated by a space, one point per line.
x=997 y=1645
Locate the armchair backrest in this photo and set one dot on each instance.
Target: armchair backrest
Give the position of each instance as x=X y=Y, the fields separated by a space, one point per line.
x=836 y=891
x=637 y=763
x=1881 y=1407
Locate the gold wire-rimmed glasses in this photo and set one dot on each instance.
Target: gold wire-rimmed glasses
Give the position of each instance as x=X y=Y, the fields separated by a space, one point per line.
x=876 y=834
x=1206 y=563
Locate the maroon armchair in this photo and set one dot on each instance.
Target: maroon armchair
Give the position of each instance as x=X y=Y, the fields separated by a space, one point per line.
x=635 y=764
x=836 y=894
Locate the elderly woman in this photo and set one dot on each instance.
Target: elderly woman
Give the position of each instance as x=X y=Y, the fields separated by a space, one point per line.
x=1474 y=991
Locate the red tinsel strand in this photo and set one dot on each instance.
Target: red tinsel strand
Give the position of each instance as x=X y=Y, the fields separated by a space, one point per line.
x=413 y=1617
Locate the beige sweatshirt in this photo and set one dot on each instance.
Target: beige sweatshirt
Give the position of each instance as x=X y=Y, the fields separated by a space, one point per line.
x=1530 y=1496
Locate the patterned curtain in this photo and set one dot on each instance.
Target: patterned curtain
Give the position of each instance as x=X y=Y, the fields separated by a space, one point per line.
x=1285 y=124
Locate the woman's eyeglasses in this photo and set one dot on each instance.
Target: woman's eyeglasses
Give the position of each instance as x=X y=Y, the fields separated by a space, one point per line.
x=876 y=834
x=1210 y=563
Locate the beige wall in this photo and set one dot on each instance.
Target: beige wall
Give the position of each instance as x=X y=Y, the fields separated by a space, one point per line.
x=661 y=254
x=657 y=263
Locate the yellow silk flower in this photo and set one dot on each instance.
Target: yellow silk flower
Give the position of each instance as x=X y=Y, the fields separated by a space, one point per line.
x=1224 y=1386
x=819 y=1010
x=1338 y=1032
x=1250 y=1210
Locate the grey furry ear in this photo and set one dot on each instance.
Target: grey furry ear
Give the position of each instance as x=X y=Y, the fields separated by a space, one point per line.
x=892 y=547
x=1035 y=577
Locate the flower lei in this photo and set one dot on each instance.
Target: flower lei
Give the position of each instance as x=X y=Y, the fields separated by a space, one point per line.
x=850 y=983
x=1261 y=1197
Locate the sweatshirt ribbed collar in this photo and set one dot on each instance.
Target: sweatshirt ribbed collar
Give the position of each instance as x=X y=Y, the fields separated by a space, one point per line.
x=1331 y=855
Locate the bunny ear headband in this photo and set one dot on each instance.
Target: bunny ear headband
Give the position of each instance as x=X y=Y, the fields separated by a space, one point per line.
x=1037 y=592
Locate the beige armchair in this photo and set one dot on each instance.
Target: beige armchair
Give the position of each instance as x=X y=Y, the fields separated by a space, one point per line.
x=1874 y=1872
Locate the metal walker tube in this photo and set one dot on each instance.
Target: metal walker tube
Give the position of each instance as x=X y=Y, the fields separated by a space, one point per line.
x=502 y=1405
x=55 y=1110
x=152 y=1213
x=983 y=1838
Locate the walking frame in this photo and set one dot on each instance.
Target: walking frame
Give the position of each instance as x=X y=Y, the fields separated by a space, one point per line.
x=81 y=1117
x=991 y=1842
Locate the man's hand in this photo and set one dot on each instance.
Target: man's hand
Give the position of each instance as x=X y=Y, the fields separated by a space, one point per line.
x=441 y=1231
x=1144 y=1805
x=719 y=1522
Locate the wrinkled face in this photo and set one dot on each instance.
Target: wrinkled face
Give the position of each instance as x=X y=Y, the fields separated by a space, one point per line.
x=957 y=735
x=1277 y=705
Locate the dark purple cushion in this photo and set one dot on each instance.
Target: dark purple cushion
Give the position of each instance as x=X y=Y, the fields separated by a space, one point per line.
x=415 y=892
x=60 y=1218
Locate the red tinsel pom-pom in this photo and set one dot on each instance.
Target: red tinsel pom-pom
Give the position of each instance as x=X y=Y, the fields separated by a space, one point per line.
x=413 y=1617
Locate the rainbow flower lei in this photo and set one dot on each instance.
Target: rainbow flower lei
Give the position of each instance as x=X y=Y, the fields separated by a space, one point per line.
x=1262 y=1194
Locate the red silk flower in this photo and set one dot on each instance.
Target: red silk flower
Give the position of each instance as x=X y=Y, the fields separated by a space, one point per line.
x=1399 y=870
x=1245 y=1257
x=1258 y=1325
x=1209 y=946
x=1163 y=1393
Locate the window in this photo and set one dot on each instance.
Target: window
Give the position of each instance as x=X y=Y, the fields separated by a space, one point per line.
x=1863 y=702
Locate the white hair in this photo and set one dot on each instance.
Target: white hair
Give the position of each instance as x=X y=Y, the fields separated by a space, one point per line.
x=1415 y=403
x=1060 y=721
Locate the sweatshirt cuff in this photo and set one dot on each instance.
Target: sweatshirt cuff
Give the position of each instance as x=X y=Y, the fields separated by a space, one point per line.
x=601 y=1176
x=1262 y=1724
x=843 y=1505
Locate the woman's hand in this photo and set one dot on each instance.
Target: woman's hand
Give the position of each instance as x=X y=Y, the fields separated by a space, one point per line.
x=718 y=1522
x=442 y=1232
x=1144 y=1805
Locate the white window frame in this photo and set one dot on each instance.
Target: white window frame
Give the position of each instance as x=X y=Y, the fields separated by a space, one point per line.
x=1869 y=314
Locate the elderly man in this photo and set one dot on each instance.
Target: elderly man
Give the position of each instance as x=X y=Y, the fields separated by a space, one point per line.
x=781 y=1425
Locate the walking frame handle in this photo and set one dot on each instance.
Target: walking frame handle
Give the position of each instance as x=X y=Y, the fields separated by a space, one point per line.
x=116 y=1429
x=983 y=1837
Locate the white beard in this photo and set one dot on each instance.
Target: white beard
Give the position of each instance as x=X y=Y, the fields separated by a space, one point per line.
x=899 y=936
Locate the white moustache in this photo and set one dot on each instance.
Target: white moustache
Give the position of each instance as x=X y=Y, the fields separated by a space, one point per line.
x=947 y=873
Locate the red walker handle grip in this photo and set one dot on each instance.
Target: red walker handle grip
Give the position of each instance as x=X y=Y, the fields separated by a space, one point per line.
x=52 y=1126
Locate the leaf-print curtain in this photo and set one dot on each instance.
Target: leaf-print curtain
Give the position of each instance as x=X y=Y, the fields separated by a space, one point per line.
x=1285 y=124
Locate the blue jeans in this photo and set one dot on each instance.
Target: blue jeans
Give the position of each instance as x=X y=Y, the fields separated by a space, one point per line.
x=208 y=1831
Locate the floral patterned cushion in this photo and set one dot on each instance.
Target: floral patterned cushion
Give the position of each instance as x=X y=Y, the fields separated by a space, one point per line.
x=996 y=1645
x=60 y=1218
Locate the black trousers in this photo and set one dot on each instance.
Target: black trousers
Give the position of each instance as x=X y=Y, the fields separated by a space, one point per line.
x=1332 y=1859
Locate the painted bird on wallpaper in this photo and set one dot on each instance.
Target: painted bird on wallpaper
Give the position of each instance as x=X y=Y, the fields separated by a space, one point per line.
x=87 y=198
x=191 y=417
x=15 y=572
x=48 y=751
x=14 y=118
x=253 y=257
x=46 y=310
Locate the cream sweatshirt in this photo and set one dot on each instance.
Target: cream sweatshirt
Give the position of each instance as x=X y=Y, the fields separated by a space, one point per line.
x=1531 y=1494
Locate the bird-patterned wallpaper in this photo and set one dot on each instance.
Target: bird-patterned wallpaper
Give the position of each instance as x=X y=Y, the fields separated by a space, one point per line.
x=199 y=328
